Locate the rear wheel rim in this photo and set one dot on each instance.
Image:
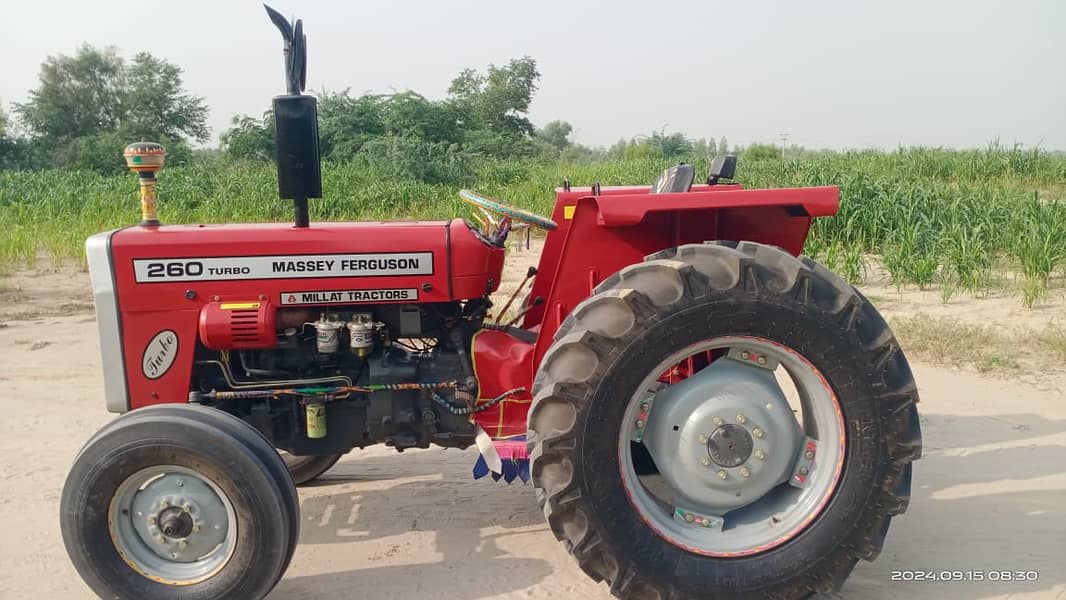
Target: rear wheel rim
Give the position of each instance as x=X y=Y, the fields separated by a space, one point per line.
x=172 y=525
x=734 y=477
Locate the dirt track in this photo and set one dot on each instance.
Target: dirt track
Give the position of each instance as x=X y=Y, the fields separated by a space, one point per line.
x=990 y=493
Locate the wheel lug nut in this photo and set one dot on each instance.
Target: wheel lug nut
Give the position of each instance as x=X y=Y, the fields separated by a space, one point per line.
x=745 y=355
x=183 y=545
x=151 y=520
x=759 y=454
x=162 y=540
x=804 y=470
x=195 y=528
x=744 y=472
x=722 y=474
x=717 y=421
x=164 y=503
x=757 y=432
x=701 y=438
x=644 y=406
x=186 y=507
x=181 y=483
x=689 y=517
x=705 y=461
x=640 y=423
x=808 y=455
x=741 y=418
x=762 y=360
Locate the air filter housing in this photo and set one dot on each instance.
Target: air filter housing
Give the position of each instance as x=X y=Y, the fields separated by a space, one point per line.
x=238 y=325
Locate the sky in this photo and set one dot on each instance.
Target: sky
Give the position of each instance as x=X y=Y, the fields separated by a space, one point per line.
x=832 y=74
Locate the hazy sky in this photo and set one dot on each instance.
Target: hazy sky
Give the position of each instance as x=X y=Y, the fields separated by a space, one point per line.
x=842 y=73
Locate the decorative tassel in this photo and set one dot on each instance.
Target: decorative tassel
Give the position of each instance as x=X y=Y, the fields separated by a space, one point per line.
x=513 y=461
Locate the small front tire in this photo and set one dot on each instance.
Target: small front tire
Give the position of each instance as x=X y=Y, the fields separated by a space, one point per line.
x=168 y=503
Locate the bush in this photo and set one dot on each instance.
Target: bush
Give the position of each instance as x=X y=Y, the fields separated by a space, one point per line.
x=409 y=158
x=102 y=153
x=762 y=152
x=498 y=145
x=23 y=154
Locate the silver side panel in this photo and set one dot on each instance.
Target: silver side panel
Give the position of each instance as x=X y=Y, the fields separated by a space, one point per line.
x=98 y=253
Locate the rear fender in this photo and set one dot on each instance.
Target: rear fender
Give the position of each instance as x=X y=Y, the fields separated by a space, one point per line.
x=600 y=234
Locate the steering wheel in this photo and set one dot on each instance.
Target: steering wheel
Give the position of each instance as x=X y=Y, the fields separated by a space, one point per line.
x=499 y=215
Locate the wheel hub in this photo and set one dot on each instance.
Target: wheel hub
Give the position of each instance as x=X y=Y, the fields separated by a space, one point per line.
x=173 y=524
x=778 y=486
x=730 y=445
x=723 y=438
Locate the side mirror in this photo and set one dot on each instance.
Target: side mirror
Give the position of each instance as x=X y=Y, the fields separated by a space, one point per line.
x=722 y=167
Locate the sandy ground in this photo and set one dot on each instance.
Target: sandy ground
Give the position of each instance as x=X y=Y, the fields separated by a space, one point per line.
x=990 y=493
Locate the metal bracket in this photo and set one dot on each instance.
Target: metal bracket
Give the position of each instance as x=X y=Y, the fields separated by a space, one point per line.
x=753 y=358
x=694 y=519
x=641 y=423
x=805 y=464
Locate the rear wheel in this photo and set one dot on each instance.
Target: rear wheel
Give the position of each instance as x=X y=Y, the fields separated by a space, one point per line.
x=769 y=399
x=305 y=469
x=167 y=502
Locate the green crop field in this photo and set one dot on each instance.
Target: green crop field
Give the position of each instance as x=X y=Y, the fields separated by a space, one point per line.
x=961 y=221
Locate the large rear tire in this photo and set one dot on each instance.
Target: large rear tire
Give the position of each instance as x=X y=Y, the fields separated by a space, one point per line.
x=179 y=501
x=720 y=298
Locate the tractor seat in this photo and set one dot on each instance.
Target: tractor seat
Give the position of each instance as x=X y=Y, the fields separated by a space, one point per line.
x=675 y=179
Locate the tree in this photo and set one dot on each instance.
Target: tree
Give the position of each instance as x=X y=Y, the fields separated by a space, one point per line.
x=156 y=106
x=484 y=113
x=556 y=134
x=346 y=124
x=250 y=138
x=78 y=95
x=670 y=146
x=411 y=114
x=498 y=100
x=16 y=151
x=640 y=150
x=723 y=146
x=704 y=148
x=618 y=149
x=87 y=107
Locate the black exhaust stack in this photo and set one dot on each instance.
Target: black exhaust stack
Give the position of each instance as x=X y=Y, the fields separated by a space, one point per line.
x=296 y=124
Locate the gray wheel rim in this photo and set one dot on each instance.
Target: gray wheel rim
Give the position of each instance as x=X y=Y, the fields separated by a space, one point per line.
x=734 y=476
x=172 y=525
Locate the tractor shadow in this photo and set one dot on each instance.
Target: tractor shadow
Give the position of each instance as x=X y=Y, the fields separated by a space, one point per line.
x=987 y=495
x=432 y=529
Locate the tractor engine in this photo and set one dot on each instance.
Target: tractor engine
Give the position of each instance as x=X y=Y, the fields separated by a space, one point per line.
x=323 y=380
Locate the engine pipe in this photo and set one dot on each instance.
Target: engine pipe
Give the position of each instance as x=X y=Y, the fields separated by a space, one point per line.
x=325 y=391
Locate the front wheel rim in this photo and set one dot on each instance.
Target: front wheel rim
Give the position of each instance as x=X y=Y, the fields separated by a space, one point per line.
x=172 y=525
x=709 y=454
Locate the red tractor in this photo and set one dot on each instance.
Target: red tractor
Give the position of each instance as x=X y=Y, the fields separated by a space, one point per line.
x=703 y=413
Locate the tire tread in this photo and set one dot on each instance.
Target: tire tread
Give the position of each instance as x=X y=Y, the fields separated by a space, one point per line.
x=745 y=268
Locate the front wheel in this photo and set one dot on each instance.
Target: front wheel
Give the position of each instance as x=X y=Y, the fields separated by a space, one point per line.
x=723 y=420
x=179 y=501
